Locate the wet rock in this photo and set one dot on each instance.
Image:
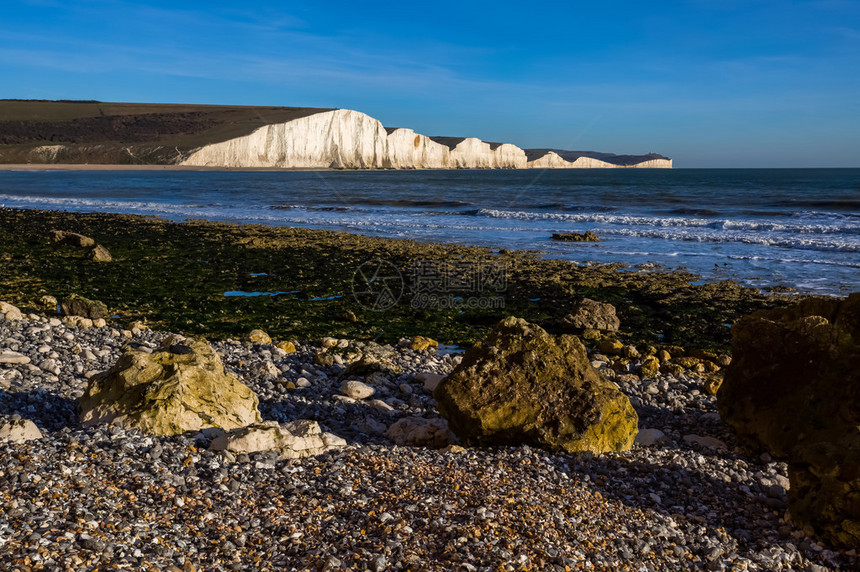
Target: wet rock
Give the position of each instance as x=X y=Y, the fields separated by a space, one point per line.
x=587 y=236
x=76 y=305
x=523 y=385
x=593 y=315
x=167 y=393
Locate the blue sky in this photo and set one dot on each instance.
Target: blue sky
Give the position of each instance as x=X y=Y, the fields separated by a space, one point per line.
x=722 y=83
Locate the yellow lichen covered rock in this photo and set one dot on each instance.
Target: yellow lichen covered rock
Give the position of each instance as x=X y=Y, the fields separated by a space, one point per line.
x=713 y=383
x=610 y=347
x=169 y=392
x=258 y=337
x=287 y=347
x=650 y=367
x=420 y=343
x=523 y=385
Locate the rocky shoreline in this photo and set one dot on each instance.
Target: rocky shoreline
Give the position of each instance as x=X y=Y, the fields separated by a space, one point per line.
x=222 y=280
x=685 y=497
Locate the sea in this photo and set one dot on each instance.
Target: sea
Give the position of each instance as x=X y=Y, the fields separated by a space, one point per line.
x=765 y=228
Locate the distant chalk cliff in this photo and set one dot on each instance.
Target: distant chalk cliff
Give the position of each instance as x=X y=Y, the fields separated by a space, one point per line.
x=347 y=139
x=258 y=137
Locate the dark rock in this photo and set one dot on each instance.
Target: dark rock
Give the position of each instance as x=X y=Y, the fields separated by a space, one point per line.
x=588 y=236
x=76 y=305
x=794 y=373
x=523 y=385
x=825 y=488
x=793 y=389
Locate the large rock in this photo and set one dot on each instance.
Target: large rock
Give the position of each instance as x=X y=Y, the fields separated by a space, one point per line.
x=523 y=385
x=76 y=305
x=793 y=389
x=592 y=315
x=100 y=254
x=794 y=373
x=169 y=392
x=292 y=440
x=19 y=430
x=71 y=238
x=10 y=312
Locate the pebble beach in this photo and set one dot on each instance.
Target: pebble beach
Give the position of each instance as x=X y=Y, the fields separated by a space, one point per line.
x=686 y=497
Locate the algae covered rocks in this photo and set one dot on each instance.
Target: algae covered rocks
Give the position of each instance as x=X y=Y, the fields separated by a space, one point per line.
x=524 y=385
x=184 y=388
x=76 y=305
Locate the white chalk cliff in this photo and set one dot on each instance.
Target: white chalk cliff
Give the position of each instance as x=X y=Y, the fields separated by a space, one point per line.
x=346 y=139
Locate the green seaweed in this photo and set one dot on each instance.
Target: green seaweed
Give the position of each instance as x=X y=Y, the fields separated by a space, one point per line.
x=175 y=275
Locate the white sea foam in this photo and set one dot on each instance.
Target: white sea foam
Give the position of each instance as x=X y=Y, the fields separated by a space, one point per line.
x=842 y=227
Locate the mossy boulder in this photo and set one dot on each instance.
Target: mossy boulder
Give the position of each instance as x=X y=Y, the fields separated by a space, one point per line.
x=76 y=305
x=183 y=388
x=793 y=389
x=523 y=385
